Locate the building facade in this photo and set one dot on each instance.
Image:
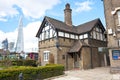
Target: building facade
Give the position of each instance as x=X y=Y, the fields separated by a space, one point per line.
x=73 y=46
x=112 y=16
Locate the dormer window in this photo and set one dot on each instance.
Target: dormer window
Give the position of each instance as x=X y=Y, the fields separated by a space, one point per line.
x=118 y=13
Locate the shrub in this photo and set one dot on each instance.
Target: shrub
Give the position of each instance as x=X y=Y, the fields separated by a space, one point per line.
x=24 y=63
x=5 y=63
x=31 y=73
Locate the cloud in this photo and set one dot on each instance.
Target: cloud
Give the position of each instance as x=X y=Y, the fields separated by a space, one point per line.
x=29 y=8
x=3 y=19
x=30 y=31
x=83 y=6
x=7 y=9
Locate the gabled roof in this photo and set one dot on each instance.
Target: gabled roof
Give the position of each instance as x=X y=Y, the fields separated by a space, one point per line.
x=88 y=26
x=59 y=25
x=77 y=46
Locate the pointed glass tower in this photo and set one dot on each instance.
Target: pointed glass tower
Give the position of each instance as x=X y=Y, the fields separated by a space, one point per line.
x=20 y=40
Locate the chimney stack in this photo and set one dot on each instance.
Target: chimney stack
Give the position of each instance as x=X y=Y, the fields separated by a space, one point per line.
x=67 y=14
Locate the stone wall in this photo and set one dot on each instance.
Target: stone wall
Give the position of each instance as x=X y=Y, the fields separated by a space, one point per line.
x=97 y=43
x=47 y=45
x=95 y=58
x=60 y=55
x=65 y=45
x=86 y=57
x=112 y=22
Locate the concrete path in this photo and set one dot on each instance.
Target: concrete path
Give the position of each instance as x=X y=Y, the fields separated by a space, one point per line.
x=101 y=73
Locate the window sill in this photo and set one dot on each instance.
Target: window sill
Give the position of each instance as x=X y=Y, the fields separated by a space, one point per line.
x=118 y=25
x=45 y=60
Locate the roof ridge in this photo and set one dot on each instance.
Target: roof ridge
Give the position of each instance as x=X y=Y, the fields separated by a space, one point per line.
x=89 y=21
x=53 y=19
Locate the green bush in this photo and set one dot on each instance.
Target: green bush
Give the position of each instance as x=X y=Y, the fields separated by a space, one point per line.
x=24 y=63
x=5 y=63
x=31 y=73
x=18 y=63
x=29 y=63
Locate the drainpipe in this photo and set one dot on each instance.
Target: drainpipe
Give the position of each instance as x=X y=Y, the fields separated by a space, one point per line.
x=91 y=57
x=90 y=51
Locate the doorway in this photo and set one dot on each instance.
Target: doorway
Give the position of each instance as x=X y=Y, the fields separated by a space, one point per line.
x=76 y=60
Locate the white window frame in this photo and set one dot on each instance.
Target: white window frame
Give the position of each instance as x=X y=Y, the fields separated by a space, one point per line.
x=61 y=34
x=81 y=37
x=118 y=13
x=67 y=35
x=46 y=55
x=72 y=36
x=76 y=37
x=86 y=35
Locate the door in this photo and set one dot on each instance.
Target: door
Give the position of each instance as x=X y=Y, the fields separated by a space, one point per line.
x=76 y=62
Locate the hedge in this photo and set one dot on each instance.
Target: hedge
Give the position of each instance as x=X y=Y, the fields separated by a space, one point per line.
x=18 y=63
x=24 y=63
x=31 y=73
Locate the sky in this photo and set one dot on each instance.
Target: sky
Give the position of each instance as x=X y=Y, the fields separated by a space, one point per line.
x=33 y=12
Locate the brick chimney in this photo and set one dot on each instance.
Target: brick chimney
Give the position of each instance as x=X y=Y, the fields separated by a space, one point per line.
x=67 y=15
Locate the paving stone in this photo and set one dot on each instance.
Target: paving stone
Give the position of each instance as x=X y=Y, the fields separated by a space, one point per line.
x=101 y=73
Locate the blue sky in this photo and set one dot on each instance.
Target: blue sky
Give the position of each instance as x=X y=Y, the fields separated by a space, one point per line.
x=33 y=12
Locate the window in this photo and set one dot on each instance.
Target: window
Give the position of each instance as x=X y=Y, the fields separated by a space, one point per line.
x=118 y=17
x=94 y=34
x=97 y=33
x=76 y=37
x=63 y=56
x=67 y=35
x=85 y=35
x=47 y=32
x=81 y=36
x=46 y=55
x=61 y=34
x=72 y=36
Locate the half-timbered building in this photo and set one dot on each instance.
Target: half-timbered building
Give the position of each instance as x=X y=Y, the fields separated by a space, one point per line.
x=73 y=46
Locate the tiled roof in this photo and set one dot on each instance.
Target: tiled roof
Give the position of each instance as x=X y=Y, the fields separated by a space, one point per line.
x=86 y=27
x=77 y=46
x=60 y=25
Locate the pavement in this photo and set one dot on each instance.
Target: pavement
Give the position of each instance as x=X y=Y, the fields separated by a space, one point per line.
x=100 y=73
